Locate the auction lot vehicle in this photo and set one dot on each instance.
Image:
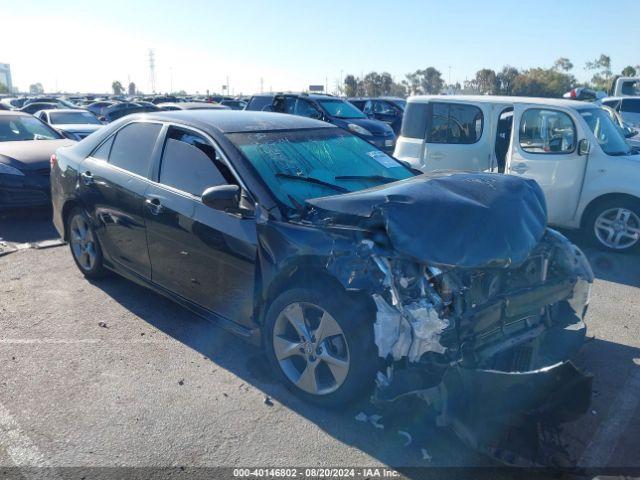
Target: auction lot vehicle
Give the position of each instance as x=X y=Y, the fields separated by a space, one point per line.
x=578 y=156
x=385 y=109
x=625 y=86
x=627 y=107
x=74 y=124
x=298 y=235
x=330 y=109
x=26 y=145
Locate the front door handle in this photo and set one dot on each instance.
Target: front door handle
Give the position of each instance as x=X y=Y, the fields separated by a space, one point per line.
x=154 y=205
x=520 y=168
x=87 y=178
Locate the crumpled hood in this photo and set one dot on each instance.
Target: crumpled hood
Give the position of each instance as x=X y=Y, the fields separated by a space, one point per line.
x=466 y=220
x=30 y=154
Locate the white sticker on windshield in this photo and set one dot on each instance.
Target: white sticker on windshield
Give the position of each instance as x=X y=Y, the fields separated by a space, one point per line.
x=382 y=158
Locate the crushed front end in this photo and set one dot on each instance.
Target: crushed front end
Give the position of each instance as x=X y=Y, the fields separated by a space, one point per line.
x=485 y=337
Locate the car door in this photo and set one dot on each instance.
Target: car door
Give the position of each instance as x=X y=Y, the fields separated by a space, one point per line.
x=544 y=148
x=305 y=108
x=456 y=138
x=114 y=180
x=204 y=255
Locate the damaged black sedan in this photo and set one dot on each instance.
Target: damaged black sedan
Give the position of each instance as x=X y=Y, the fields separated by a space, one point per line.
x=348 y=267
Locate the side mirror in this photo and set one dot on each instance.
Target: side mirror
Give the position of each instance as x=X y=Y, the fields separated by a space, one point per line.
x=583 y=147
x=222 y=197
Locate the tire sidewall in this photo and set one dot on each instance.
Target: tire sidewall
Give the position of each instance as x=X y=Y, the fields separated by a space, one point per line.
x=356 y=323
x=98 y=269
x=589 y=226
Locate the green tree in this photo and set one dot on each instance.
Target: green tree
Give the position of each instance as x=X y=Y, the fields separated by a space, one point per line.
x=505 y=79
x=132 y=88
x=543 y=82
x=4 y=88
x=117 y=87
x=601 y=67
x=428 y=81
x=629 y=71
x=350 y=86
x=372 y=84
x=36 y=89
x=563 y=64
x=486 y=81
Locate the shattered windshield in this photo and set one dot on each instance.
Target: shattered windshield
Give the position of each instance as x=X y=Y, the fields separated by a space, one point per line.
x=305 y=164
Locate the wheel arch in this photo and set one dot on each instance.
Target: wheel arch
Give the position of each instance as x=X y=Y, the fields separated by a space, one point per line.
x=596 y=202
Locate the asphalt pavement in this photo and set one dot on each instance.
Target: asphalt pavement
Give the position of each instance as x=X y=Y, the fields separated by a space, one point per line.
x=109 y=374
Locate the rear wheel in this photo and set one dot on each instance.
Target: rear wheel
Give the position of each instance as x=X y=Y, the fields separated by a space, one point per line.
x=84 y=245
x=614 y=225
x=320 y=342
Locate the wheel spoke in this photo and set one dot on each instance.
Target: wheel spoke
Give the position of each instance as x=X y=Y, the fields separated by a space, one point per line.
x=295 y=316
x=339 y=368
x=327 y=327
x=285 y=348
x=307 y=380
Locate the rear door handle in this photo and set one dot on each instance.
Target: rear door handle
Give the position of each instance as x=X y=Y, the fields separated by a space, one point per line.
x=154 y=205
x=87 y=178
x=520 y=168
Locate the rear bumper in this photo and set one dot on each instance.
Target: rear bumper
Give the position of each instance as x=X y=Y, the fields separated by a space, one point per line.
x=30 y=190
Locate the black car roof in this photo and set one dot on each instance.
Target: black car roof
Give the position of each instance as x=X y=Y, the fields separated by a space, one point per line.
x=236 y=121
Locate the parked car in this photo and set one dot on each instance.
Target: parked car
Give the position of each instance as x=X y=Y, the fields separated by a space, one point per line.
x=97 y=107
x=330 y=109
x=60 y=102
x=14 y=102
x=625 y=86
x=121 y=109
x=587 y=170
x=307 y=240
x=234 y=104
x=628 y=107
x=191 y=106
x=32 y=108
x=631 y=134
x=74 y=124
x=26 y=145
x=385 y=109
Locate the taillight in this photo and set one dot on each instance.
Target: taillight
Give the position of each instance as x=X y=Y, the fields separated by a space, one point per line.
x=574 y=93
x=53 y=161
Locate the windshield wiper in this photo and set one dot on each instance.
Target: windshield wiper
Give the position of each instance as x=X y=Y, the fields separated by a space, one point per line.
x=313 y=180
x=380 y=178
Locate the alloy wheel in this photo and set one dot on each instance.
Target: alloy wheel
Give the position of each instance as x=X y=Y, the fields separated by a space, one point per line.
x=311 y=348
x=617 y=228
x=82 y=243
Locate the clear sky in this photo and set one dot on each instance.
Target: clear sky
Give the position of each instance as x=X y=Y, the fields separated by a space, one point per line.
x=83 y=45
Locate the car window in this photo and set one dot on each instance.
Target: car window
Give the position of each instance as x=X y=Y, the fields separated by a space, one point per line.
x=547 y=131
x=609 y=136
x=612 y=103
x=133 y=147
x=414 y=121
x=78 y=117
x=383 y=108
x=455 y=123
x=259 y=103
x=630 y=87
x=306 y=109
x=191 y=164
x=341 y=109
x=102 y=152
x=15 y=128
x=368 y=106
x=630 y=105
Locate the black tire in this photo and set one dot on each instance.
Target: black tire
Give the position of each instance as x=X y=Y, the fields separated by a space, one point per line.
x=96 y=268
x=356 y=322
x=589 y=225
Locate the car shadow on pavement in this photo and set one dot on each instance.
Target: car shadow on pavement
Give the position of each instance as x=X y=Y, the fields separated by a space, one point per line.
x=429 y=446
x=27 y=225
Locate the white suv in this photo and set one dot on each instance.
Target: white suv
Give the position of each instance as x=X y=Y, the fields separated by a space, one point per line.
x=589 y=173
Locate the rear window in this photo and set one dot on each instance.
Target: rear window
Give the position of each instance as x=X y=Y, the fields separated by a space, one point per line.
x=455 y=123
x=630 y=105
x=133 y=147
x=258 y=103
x=414 y=121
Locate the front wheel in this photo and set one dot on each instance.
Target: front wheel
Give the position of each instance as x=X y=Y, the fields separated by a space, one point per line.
x=615 y=225
x=84 y=245
x=320 y=343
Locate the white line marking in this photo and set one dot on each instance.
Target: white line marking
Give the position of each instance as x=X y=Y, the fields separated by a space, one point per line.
x=604 y=442
x=22 y=450
x=73 y=341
